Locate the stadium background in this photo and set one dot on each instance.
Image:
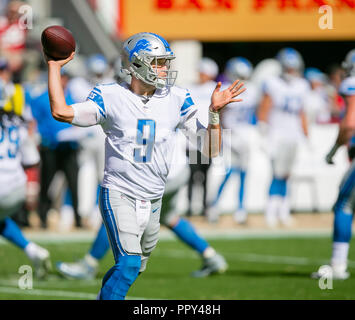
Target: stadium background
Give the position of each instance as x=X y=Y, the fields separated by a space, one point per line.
x=219 y=29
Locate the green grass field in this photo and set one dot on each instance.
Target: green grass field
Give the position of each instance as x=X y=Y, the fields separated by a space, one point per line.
x=259 y=268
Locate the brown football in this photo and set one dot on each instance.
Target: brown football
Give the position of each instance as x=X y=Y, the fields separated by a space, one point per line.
x=57 y=42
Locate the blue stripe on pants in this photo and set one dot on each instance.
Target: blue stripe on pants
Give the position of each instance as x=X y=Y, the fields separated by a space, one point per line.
x=120 y=277
x=110 y=224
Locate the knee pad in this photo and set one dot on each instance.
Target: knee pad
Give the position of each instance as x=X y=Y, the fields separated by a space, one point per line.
x=130 y=243
x=120 y=277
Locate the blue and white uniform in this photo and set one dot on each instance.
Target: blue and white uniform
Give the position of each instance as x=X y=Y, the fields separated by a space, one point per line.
x=238 y=117
x=285 y=131
x=139 y=147
x=138 y=137
x=346 y=197
x=285 y=126
x=16 y=150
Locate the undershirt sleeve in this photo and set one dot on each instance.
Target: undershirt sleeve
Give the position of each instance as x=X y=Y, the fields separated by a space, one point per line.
x=86 y=114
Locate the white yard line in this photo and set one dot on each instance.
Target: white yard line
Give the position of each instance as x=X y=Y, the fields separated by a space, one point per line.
x=48 y=293
x=250 y=257
x=11 y=286
x=58 y=293
x=166 y=235
x=56 y=282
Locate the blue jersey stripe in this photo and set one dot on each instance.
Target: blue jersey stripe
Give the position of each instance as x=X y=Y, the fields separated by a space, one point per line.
x=102 y=113
x=187 y=104
x=97 y=98
x=185 y=112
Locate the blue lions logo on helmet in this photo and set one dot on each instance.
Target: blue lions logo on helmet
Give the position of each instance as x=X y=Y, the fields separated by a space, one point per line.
x=142 y=44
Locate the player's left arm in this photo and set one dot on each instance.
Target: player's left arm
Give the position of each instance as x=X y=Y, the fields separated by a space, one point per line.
x=219 y=99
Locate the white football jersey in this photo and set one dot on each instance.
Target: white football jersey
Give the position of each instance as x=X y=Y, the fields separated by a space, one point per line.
x=237 y=114
x=288 y=99
x=179 y=169
x=140 y=136
x=16 y=150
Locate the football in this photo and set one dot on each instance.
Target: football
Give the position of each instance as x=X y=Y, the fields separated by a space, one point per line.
x=57 y=42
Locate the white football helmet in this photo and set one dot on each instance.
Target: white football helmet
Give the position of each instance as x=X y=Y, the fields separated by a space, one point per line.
x=315 y=75
x=290 y=58
x=97 y=64
x=208 y=67
x=265 y=69
x=238 y=68
x=349 y=63
x=143 y=50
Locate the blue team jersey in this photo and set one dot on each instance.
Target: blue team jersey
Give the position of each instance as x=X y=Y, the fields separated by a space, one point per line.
x=47 y=126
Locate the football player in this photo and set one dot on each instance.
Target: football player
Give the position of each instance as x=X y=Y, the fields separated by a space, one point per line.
x=139 y=120
x=318 y=102
x=212 y=262
x=345 y=204
x=239 y=119
x=281 y=117
x=17 y=151
x=201 y=94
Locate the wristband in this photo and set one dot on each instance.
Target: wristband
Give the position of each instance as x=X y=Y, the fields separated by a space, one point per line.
x=213 y=118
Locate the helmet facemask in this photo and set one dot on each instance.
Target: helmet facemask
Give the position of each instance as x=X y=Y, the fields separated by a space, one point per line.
x=156 y=75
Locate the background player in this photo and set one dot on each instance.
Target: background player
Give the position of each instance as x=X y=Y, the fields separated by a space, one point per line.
x=199 y=164
x=239 y=119
x=139 y=121
x=17 y=150
x=282 y=119
x=345 y=204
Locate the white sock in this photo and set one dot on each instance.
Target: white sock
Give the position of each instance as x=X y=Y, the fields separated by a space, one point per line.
x=91 y=261
x=208 y=253
x=31 y=250
x=66 y=217
x=285 y=211
x=340 y=253
x=272 y=208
